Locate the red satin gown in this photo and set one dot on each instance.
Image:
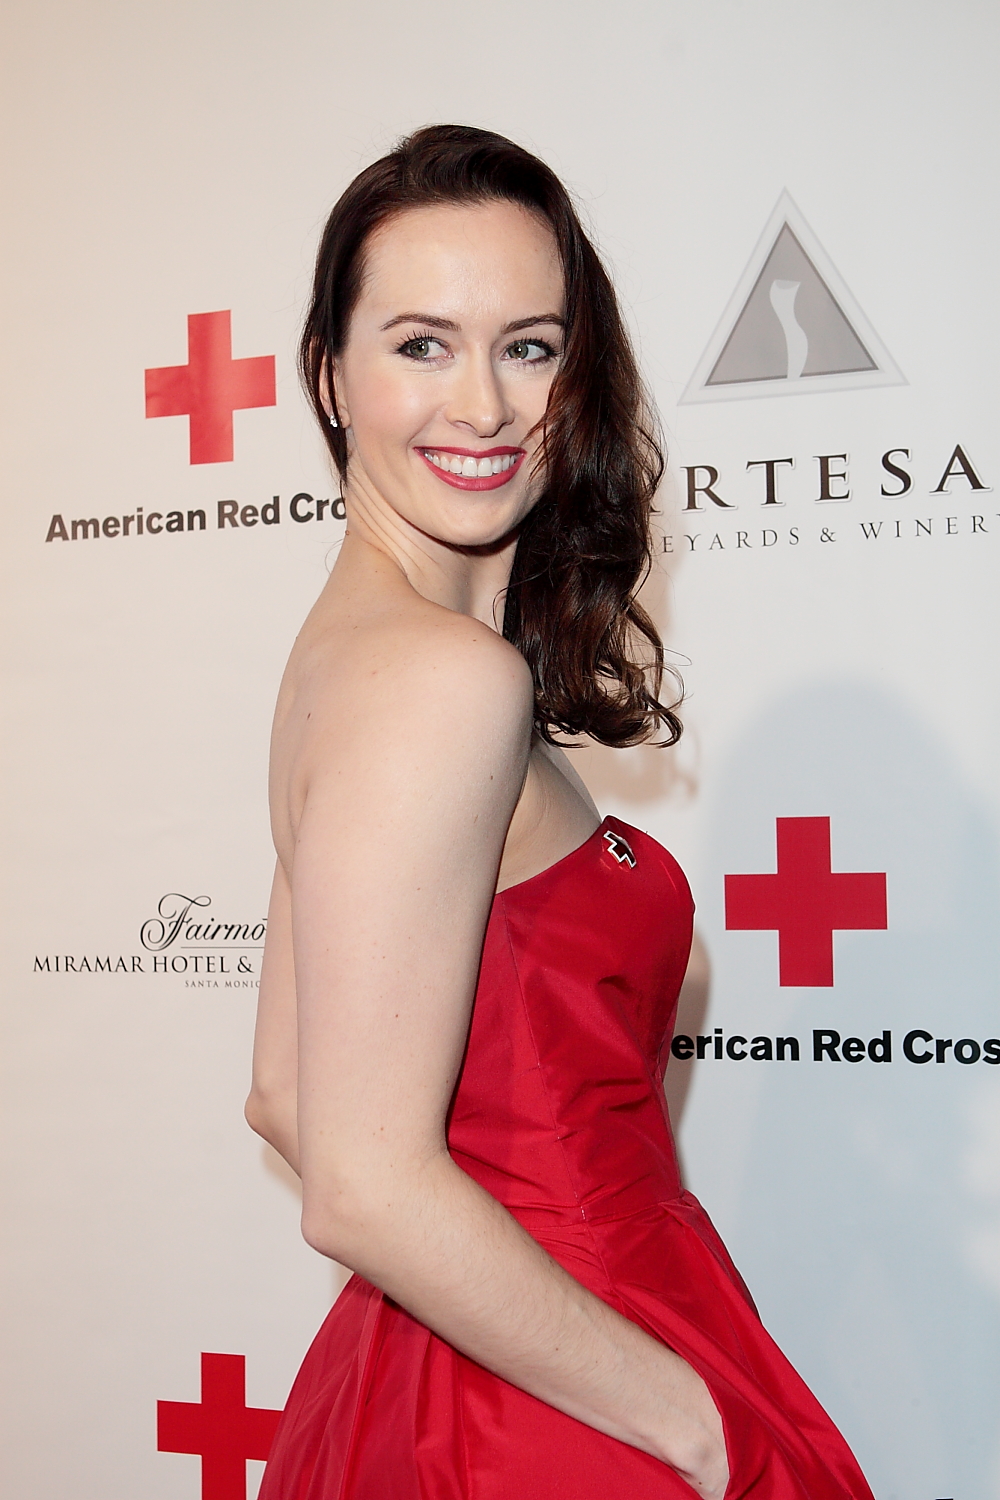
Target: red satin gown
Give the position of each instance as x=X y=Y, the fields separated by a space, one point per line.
x=560 y=1114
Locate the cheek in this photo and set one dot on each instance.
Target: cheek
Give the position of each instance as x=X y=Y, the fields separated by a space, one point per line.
x=530 y=397
x=387 y=408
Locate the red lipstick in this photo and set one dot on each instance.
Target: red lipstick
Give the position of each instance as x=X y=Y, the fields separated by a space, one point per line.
x=475 y=481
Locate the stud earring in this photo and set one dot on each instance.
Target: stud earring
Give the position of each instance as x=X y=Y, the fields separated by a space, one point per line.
x=333 y=421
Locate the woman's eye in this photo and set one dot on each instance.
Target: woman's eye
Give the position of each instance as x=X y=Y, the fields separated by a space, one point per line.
x=421 y=348
x=530 y=351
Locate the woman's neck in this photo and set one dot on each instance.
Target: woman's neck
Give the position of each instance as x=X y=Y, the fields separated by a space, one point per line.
x=470 y=581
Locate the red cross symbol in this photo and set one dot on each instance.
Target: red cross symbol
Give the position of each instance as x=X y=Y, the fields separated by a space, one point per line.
x=223 y=1429
x=620 y=849
x=805 y=901
x=210 y=387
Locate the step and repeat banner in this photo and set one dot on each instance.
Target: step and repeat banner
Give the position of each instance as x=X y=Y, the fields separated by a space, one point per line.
x=798 y=205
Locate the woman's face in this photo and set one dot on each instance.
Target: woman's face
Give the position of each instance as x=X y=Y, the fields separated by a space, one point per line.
x=451 y=353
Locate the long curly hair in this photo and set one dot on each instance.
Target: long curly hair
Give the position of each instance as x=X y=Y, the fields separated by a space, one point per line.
x=584 y=549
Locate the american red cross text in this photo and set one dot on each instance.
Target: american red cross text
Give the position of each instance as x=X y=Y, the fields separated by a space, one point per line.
x=222 y=1428
x=210 y=387
x=805 y=902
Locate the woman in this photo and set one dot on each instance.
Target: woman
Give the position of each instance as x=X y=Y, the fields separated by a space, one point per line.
x=469 y=977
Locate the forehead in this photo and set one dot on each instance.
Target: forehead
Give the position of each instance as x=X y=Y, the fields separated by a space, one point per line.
x=483 y=258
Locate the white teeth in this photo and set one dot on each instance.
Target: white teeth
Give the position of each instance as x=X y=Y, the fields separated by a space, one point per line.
x=469 y=467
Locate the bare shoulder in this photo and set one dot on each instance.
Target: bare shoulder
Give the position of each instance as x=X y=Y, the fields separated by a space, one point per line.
x=419 y=656
x=416 y=695
x=452 y=657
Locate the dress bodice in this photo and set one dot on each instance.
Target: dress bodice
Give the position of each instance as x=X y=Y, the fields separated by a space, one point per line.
x=559 y=1111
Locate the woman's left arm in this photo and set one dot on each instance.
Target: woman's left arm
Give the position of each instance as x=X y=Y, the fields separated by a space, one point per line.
x=272 y=1106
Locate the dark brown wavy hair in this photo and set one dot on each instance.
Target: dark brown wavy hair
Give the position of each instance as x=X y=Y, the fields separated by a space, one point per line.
x=584 y=549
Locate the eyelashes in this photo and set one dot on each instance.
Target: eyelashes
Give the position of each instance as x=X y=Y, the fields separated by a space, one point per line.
x=416 y=346
x=548 y=352
x=410 y=345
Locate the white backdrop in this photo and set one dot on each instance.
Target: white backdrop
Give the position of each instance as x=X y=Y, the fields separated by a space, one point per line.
x=175 y=161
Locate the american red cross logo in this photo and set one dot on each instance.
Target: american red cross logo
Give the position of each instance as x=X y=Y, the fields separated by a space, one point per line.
x=222 y=1428
x=210 y=387
x=805 y=902
x=620 y=849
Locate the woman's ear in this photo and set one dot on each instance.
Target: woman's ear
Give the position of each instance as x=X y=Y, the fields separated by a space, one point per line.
x=336 y=410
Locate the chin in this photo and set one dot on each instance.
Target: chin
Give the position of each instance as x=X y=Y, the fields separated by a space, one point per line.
x=482 y=520
x=480 y=532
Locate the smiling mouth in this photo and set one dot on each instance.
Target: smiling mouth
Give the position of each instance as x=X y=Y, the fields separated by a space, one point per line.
x=468 y=470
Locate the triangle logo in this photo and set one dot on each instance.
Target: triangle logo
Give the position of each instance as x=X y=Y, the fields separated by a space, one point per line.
x=791 y=325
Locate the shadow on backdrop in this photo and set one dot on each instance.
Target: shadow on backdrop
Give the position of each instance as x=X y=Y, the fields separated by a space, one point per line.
x=869 y=1220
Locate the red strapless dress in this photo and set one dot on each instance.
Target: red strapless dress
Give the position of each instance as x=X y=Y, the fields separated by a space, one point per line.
x=560 y=1114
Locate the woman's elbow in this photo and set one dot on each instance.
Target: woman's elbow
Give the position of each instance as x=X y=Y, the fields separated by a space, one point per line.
x=339 y=1220
x=265 y=1113
x=322 y=1233
x=357 y=1211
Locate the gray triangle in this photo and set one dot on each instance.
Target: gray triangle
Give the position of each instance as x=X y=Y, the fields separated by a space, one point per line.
x=791 y=325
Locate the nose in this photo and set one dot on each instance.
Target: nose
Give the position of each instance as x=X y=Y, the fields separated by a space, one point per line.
x=478 y=400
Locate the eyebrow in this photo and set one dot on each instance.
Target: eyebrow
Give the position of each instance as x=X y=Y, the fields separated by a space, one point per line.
x=451 y=327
